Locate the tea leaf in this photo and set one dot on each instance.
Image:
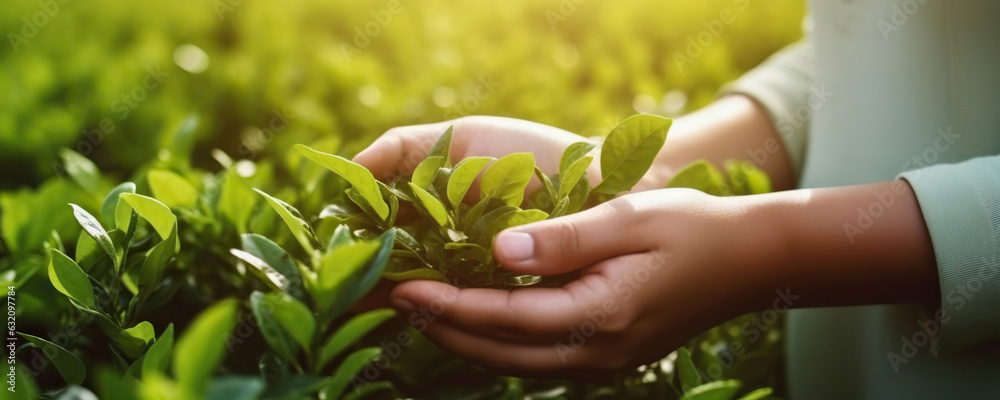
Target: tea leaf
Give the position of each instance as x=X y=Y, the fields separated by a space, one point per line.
x=462 y=177
x=93 y=228
x=280 y=341
x=157 y=358
x=746 y=178
x=68 y=365
x=110 y=206
x=152 y=210
x=236 y=200
x=293 y=316
x=335 y=270
x=550 y=189
x=81 y=170
x=153 y=267
x=718 y=390
x=629 y=150
x=203 y=346
x=578 y=196
x=687 y=371
x=172 y=189
x=507 y=178
x=425 y=172
x=276 y=258
x=341 y=236
x=347 y=369
x=355 y=174
x=568 y=178
x=759 y=394
x=432 y=205
x=350 y=332
x=69 y=279
x=703 y=176
x=574 y=153
x=495 y=221
x=293 y=219
x=442 y=148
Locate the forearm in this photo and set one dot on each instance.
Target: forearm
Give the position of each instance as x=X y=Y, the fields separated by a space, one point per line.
x=863 y=244
x=733 y=127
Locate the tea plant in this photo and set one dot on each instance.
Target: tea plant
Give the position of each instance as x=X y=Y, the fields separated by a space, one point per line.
x=454 y=240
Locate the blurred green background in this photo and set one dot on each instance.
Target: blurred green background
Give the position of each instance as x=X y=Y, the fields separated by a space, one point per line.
x=232 y=66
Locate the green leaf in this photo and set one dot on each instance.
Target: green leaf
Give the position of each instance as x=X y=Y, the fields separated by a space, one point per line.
x=703 y=176
x=758 y=394
x=236 y=200
x=569 y=177
x=351 y=331
x=425 y=172
x=357 y=175
x=746 y=178
x=574 y=152
x=293 y=316
x=157 y=357
x=578 y=196
x=172 y=189
x=507 y=178
x=718 y=390
x=152 y=210
x=203 y=346
x=340 y=237
x=293 y=218
x=629 y=151
x=276 y=258
x=462 y=177
x=281 y=342
x=235 y=388
x=367 y=389
x=432 y=205
x=143 y=331
x=442 y=148
x=550 y=189
x=82 y=170
x=153 y=267
x=269 y=275
x=495 y=221
x=69 y=279
x=350 y=367
x=87 y=251
x=689 y=375
x=69 y=366
x=110 y=206
x=93 y=228
x=335 y=275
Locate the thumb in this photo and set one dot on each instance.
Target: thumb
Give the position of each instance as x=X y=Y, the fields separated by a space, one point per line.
x=571 y=242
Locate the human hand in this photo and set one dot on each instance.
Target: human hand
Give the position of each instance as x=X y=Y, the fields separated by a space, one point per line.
x=656 y=268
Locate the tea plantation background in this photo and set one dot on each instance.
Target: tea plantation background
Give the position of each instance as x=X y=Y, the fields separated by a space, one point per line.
x=132 y=85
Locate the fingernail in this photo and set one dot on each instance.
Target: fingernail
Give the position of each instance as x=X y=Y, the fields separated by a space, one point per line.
x=515 y=246
x=403 y=305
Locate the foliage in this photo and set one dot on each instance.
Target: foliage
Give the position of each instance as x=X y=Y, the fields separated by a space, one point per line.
x=139 y=282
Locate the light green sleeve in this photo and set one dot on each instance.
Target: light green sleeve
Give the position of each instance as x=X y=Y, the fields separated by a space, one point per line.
x=782 y=85
x=961 y=206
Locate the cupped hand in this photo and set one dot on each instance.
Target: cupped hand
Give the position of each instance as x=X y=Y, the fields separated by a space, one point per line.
x=656 y=267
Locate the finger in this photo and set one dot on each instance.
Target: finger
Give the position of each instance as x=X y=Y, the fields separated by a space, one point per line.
x=574 y=241
x=526 y=315
x=510 y=358
x=398 y=151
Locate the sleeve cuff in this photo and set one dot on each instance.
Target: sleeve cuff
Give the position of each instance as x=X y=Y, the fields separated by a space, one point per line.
x=961 y=207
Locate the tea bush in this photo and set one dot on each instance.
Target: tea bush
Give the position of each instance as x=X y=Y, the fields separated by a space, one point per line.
x=153 y=187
